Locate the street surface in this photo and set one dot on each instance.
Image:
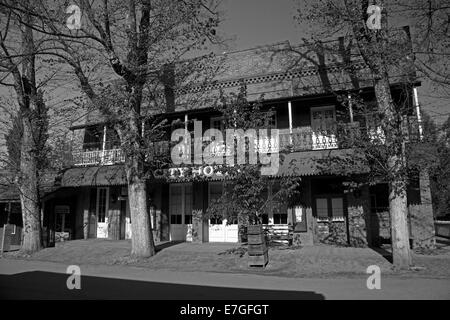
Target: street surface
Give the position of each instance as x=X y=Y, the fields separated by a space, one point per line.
x=21 y=279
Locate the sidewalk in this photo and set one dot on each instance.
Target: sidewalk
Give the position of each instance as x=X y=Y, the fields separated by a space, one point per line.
x=320 y=261
x=353 y=288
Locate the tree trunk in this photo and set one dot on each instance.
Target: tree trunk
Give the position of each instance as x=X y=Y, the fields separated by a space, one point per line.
x=398 y=208
x=142 y=244
x=29 y=193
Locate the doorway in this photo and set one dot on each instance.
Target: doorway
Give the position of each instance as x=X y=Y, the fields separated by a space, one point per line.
x=180 y=211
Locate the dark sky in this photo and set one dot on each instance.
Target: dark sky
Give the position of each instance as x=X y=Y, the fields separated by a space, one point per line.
x=259 y=22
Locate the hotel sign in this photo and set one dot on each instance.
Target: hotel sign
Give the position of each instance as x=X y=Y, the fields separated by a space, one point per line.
x=208 y=171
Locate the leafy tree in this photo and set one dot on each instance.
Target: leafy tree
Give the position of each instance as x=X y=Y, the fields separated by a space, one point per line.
x=245 y=197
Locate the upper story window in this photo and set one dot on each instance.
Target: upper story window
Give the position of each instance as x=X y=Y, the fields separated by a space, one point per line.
x=323 y=125
x=323 y=118
x=112 y=139
x=93 y=138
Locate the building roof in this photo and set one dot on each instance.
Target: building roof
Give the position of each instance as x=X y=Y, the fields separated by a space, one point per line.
x=276 y=71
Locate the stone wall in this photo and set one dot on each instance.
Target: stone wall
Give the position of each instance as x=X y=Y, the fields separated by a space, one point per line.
x=331 y=232
x=359 y=217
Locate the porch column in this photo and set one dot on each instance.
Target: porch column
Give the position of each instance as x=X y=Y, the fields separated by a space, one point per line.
x=421 y=216
x=165 y=222
x=419 y=116
x=197 y=212
x=350 y=107
x=104 y=143
x=290 y=121
x=114 y=214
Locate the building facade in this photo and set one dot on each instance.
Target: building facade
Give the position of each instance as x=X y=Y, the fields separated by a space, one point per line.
x=302 y=88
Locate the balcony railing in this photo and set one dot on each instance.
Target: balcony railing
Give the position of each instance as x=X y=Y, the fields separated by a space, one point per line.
x=98 y=157
x=295 y=139
x=114 y=156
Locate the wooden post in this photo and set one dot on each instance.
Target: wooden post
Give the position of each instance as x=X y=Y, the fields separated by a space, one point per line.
x=6 y=237
x=419 y=116
x=290 y=121
x=350 y=107
x=104 y=144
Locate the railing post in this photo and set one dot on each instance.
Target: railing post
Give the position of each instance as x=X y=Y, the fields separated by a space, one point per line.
x=350 y=107
x=290 y=121
x=419 y=116
x=103 y=144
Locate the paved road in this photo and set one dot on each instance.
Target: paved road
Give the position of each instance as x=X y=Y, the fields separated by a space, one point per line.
x=44 y=280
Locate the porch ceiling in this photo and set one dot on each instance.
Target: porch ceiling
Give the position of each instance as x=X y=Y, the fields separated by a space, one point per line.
x=94 y=176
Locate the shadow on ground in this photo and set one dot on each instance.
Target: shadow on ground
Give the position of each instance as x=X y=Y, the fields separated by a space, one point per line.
x=48 y=285
x=165 y=245
x=386 y=254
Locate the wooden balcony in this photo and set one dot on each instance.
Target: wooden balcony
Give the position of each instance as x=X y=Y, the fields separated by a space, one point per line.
x=291 y=140
x=98 y=157
x=113 y=156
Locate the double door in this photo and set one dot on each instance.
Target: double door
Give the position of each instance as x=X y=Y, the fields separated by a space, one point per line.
x=180 y=211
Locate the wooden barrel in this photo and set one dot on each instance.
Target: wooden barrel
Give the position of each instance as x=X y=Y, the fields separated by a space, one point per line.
x=258 y=260
x=257 y=248
x=255 y=234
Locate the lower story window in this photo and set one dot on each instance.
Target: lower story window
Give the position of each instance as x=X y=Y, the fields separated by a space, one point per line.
x=175 y=219
x=337 y=209
x=280 y=218
x=330 y=208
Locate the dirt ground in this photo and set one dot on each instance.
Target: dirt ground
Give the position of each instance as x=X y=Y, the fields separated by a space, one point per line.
x=309 y=261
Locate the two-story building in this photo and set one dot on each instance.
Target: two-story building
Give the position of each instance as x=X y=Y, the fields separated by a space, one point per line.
x=302 y=85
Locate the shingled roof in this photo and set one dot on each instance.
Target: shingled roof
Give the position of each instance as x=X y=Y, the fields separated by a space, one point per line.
x=277 y=71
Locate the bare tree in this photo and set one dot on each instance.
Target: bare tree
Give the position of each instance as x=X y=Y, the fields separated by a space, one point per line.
x=26 y=141
x=127 y=59
x=382 y=50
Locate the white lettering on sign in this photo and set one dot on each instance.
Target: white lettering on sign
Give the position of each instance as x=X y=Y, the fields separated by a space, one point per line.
x=254 y=144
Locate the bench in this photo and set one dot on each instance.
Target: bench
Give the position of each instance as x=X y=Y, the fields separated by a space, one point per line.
x=279 y=233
